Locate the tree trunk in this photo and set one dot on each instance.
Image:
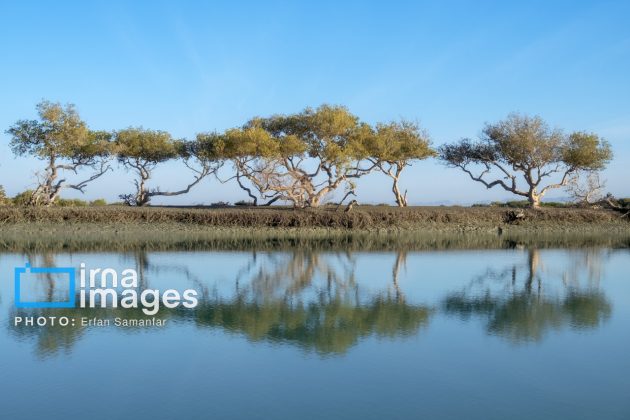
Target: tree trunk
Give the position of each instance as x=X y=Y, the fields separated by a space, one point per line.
x=49 y=193
x=142 y=198
x=52 y=197
x=533 y=261
x=534 y=199
x=247 y=190
x=314 y=199
x=401 y=199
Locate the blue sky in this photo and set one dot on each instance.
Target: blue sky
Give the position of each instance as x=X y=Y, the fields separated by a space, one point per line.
x=188 y=67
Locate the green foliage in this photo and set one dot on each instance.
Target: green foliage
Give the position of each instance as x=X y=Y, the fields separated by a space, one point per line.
x=60 y=133
x=524 y=141
x=528 y=143
x=393 y=142
x=323 y=133
x=255 y=142
x=586 y=151
x=150 y=146
x=206 y=146
x=3 y=196
x=519 y=141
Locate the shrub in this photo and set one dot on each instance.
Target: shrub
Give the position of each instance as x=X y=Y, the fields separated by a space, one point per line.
x=555 y=204
x=518 y=204
x=244 y=203
x=98 y=202
x=23 y=198
x=72 y=202
x=521 y=204
x=3 y=196
x=220 y=204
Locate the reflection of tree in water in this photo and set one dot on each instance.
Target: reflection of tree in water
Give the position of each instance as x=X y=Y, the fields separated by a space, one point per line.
x=327 y=326
x=272 y=302
x=145 y=268
x=304 y=298
x=46 y=259
x=271 y=276
x=523 y=310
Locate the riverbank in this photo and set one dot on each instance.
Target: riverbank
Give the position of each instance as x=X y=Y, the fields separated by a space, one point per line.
x=443 y=219
x=365 y=227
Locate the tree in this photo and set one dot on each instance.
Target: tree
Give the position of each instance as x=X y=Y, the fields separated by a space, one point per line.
x=586 y=188
x=393 y=147
x=300 y=158
x=522 y=149
x=142 y=150
x=61 y=139
x=254 y=155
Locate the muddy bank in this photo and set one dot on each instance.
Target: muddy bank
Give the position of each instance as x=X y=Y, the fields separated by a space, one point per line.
x=364 y=218
x=364 y=228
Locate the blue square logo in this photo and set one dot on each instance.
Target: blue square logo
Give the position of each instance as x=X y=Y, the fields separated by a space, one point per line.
x=68 y=271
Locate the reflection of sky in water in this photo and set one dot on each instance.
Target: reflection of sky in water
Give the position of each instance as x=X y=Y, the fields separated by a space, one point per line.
x=480 y=326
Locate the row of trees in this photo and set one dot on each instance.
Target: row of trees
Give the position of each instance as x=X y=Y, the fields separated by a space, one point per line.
x=302 y=158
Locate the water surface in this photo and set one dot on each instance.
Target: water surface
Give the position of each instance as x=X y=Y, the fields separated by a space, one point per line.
x=519 y=333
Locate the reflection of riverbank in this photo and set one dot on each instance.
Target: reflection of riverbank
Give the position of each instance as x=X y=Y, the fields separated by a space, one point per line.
x=158 y=236
x=314 y=300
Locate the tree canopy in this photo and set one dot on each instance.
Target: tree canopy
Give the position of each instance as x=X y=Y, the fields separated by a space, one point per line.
x=520 y=152
x=392 y=147
x=63 y=140
x=141 y=150
x=305 y=158
x=300 y=158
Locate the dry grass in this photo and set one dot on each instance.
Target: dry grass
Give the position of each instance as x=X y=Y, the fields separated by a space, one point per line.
x=367 y=228
x=363 y=218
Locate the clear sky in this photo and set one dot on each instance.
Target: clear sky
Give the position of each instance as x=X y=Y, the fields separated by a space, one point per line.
x=187 y=67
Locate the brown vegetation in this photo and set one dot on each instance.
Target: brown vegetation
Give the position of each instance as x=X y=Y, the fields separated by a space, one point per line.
x=361 y=217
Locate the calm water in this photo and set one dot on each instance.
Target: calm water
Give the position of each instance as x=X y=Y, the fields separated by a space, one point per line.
x=449 y=334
